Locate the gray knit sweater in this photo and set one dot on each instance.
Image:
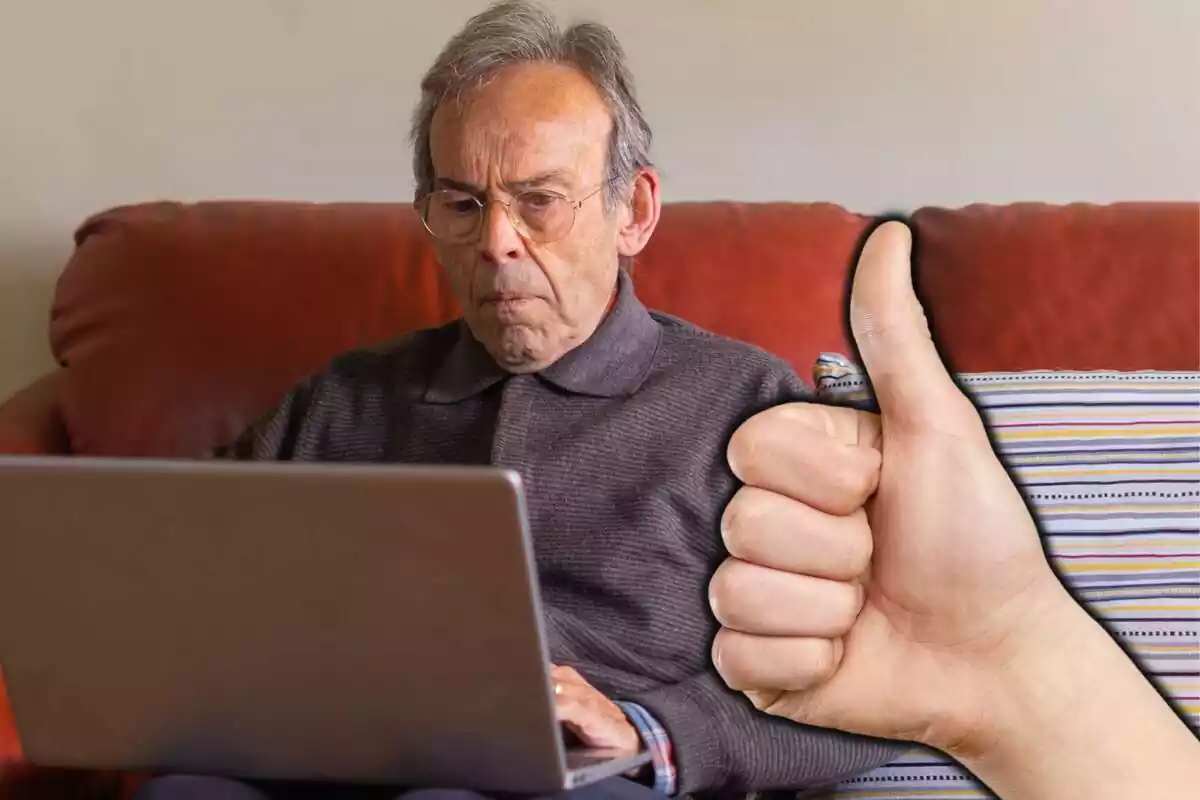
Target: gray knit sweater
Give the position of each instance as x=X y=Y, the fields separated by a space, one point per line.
x=621 y=446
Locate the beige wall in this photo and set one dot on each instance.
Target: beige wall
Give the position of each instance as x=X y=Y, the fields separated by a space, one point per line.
x=875 y=104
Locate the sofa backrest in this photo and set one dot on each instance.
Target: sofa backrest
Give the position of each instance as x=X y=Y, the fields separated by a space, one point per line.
x=178 y=324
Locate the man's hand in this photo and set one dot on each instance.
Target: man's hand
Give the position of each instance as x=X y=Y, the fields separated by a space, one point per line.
x=884 y=566
x=592 y=717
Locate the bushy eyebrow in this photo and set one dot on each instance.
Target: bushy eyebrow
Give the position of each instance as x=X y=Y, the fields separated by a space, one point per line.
x=559 y=176
x=461 y=186
x=554 y=176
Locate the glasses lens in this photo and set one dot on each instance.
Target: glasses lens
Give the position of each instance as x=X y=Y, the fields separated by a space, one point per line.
x=452 y=215
x=547 y=216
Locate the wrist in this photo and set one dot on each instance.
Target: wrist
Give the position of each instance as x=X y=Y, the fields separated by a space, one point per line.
x=1067 y=711
x=1031 y=672
x=965 y=711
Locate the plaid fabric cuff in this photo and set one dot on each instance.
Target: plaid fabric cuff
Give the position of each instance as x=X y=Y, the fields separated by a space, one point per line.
x=657 y=742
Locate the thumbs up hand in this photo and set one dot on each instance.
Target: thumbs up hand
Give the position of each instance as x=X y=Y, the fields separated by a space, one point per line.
x=883 y=567
x=886 y=579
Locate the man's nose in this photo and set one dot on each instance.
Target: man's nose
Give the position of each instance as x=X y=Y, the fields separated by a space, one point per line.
x=499 y=241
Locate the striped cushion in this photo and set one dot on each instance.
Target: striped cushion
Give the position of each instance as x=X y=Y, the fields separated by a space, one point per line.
x=1110 y=462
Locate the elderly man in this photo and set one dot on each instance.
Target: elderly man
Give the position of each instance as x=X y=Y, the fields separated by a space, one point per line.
x=535 y=184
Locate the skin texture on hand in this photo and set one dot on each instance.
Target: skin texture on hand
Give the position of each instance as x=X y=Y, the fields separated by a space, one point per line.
x=887 y=579
x=588 y=714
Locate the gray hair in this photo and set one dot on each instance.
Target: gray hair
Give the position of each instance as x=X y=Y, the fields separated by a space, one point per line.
x=519 y=32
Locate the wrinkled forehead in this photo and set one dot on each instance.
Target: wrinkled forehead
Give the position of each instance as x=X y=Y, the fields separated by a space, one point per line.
x=525 y=121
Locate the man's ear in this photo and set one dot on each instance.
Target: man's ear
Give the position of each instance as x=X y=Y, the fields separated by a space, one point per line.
x=640 y=217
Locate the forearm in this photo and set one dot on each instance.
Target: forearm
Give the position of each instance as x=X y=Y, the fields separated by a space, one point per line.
x=722 y=743
x=1075 y=718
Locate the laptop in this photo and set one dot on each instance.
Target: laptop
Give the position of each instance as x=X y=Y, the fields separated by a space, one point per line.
x=328 y=622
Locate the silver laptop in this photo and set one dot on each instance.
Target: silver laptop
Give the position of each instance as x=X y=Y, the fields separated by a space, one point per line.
x=359 y=624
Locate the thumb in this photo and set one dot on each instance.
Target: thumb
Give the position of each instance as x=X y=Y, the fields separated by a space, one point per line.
x=910 y=382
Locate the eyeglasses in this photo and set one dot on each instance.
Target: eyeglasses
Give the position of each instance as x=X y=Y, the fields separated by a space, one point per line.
x=539 y=215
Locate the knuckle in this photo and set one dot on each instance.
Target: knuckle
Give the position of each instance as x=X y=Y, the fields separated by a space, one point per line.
x=726 y=592
x=717 y=652
x=853 y=482
x=754 y=513
x=826 y=663
x=846 y=609
x=859 y=544
x=735 y=522
x=727 y=658
x=865 y=478
x=751 y=441
x=742 y=446
x=807 y=663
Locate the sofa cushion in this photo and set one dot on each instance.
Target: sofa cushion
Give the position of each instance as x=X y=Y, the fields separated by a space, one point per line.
x=178 y=323
x=1110 y=464
x=772 y=274
x=1038 y=286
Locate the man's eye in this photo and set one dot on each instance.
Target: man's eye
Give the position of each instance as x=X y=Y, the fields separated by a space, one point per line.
x=461 y=207
x=539 y=201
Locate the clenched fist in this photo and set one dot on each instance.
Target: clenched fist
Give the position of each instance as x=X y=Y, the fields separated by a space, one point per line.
x=881 y=563
x=887 y=579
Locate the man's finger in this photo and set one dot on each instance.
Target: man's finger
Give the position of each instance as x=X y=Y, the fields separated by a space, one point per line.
x=910 y=382
x=564 y=674
x=775 y=531
x=573 y=703
x=774 y=663
x=570 y=710
x=766 y=602
x=822 y=456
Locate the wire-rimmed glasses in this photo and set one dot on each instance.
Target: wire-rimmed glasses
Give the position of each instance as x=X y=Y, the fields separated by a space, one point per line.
x=540 y=215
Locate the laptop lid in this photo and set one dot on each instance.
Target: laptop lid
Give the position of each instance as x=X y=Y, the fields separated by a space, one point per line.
x=367 y=624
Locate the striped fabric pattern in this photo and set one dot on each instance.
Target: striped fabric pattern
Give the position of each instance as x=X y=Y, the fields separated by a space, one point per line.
x=1110 y=462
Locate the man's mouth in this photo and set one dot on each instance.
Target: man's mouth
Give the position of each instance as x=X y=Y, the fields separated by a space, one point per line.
x=511 y=299
x=507 y=306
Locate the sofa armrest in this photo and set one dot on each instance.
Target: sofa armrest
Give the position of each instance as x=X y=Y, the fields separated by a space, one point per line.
x=31 y=422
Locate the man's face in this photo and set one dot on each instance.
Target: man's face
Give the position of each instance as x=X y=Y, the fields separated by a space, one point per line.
x=539 y=127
